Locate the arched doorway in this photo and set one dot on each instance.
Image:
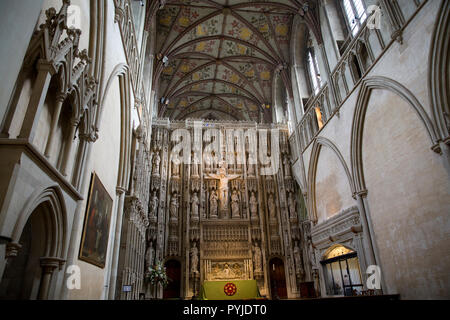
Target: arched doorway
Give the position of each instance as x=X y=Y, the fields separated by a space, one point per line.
x=173 y=289
x=342 y=272
x=277 y=279
x=30 y=275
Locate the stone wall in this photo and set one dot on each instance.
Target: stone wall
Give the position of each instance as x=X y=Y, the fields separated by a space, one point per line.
x=403 y=172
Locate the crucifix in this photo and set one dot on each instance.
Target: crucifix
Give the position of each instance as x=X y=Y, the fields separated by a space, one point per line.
x=223 y=178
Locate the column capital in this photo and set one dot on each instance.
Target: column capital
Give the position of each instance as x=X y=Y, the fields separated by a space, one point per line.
x=361 y=194
x=60 y=97
x=12 y=249
x=45 y=66
x=49 y=264
x=120 y=190
x=74 y=121
x=90 y=137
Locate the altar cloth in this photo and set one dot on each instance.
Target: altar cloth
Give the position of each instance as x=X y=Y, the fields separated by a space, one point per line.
x=230 y=290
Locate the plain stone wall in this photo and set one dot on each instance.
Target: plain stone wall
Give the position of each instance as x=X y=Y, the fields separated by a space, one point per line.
x=408 y=185
x=333 y=192
x=19 y=16
x=409 y=200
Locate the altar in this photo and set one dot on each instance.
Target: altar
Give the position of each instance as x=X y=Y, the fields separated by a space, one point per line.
x=230 y=290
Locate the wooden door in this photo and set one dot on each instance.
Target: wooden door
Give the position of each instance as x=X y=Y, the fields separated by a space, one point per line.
x=173 y=289
x=277 y=279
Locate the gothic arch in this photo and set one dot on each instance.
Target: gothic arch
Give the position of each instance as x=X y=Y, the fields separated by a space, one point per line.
x=439 y=70
x=122 y=72
x=55 y=217
x=320 y=142
x=362 y=103
x=334 y=246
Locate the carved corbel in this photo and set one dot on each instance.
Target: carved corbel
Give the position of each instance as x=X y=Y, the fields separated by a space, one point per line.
x=12 y=249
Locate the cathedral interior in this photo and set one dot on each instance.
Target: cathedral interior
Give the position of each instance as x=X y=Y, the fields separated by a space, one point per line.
x=209 y=149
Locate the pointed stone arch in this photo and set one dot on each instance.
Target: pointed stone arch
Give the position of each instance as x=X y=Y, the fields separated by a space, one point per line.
x=320 y=142
x=55 y=215
x=367 y=86
x=122 y=72
x=439 y=81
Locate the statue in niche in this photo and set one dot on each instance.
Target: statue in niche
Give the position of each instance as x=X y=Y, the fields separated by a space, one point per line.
x=154 y=205
x=253 y=205
x=150 y=255
x=209 y=161
x=272 y=208
x=257 y=258
x=297 y=257
x=292 y=206
x=235 y=205
x=194 y=258
x=174 y=207
x=195 y=166
x=312 y=255
x=287 y=167
x=175 y=168
x=251 y=167
x=156 y=163
x=195 y=202
x=213 y=204
x=161 y=243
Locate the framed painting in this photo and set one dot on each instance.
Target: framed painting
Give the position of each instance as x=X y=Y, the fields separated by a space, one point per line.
x=94 y=240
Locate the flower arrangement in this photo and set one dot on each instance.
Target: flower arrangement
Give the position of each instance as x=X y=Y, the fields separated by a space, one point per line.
x=157 y=275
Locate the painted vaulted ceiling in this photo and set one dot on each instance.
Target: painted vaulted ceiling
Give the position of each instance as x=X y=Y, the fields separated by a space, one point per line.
x=217 y=58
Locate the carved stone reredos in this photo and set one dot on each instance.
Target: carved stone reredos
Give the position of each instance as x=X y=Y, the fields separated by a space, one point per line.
x=237 y=218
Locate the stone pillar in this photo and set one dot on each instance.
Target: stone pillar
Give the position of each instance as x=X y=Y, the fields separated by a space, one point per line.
x=370 y=253
x=3 y=245
x=48 y=266
x=37 y=100
x=116 y=247
x=69 y=146
x=368 y=250
x=55 y=117
x=394 y=18
x=7 y=250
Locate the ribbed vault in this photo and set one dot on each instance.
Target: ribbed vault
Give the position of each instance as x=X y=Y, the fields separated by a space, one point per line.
x=219 y=57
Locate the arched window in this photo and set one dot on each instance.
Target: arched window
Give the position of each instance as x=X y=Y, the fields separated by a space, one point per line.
x=355 y=12
x=314 y=72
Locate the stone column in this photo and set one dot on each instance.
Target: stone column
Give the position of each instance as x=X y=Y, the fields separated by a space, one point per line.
x=11 y=250
x=55 y=117
x=370 y=253
x=69 y=145
x=3 y=247
x=116 y=247
x=37 y=100
x=368 y=250
x=48 y=266
x=394 y=18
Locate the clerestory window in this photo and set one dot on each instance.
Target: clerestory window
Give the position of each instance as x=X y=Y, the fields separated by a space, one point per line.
x=314 y=72
x=355 y=12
